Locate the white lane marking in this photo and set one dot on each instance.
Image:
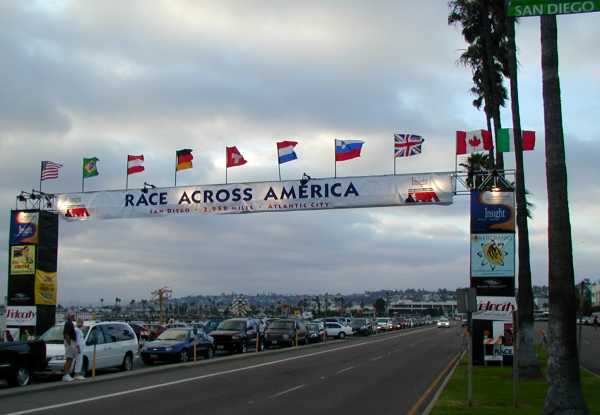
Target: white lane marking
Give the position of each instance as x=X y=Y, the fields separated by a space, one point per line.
x=344 y=370
x=376 y=358
x=295 y=388
x=207 y=376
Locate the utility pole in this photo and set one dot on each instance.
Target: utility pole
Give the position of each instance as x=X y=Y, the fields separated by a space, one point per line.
x=160 y=296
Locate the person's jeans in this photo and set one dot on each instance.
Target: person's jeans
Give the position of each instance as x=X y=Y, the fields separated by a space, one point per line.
x=79 y=364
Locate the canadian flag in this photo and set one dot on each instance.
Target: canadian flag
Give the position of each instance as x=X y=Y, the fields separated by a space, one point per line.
x=234 y=157
x=468 y=142
x=135 y=164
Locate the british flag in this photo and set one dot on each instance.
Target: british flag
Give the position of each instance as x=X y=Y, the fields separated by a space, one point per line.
x=406 y=145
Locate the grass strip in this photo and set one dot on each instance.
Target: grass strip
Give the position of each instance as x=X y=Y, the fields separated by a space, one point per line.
x=492 y=392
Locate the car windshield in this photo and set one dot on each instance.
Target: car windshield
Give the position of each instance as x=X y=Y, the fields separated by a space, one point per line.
x=232 y=325
x=312 y=327
x=382 y=320
x=54 y=335
x=359 y=322
x=174 y=334
x=281 y=324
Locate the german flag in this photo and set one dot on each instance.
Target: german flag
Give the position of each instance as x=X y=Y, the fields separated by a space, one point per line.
x=184 y=159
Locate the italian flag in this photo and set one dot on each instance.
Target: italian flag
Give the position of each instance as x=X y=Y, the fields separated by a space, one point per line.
x=505 y=141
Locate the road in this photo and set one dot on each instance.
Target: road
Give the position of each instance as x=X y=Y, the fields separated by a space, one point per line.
x=382 y=374
x=590 y=349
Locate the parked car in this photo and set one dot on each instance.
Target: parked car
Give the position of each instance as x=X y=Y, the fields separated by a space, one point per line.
x=337 y=330
x=141 y=331
x=314 y=332
x=177 y=345
x=116 y=346
x=443 y=322
x=18 y=361
x=384 y=324
x=362 y=326
x=155 y=330
x=211 y=325
x=237 y=335
x=285 y=332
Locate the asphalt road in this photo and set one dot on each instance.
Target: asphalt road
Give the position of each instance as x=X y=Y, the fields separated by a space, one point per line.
x=383 y=374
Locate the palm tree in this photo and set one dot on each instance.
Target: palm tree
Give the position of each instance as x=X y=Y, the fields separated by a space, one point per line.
x=564 y=390
x=477 y=165
x=528 y=363
x=485 y=55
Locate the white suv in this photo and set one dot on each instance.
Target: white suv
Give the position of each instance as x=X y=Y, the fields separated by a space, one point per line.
x=116 y=346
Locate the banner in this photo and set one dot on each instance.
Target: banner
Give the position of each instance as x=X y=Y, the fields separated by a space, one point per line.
x=495 y=308
x=20 y=290
x=22 y=259
x=493 y=255
x=291 y=195
x=45 y=288
x=501 y=286
x=492 y=212
x=20 y=316
x=24 y=227
x=522 y=8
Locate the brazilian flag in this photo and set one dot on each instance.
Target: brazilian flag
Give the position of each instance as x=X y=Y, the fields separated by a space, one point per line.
x=89 y=167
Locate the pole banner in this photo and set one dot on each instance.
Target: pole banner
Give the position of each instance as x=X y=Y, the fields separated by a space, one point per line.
x=291 y=195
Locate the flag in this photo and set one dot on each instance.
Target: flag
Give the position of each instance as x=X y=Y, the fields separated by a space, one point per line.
x=347 y=149
x=135 y=164
x=468 y=142
x=184 y=159
x=234 y=157
x=285 y=151
x=406 y=145
x=90 y=169
x=505 y=141
x=49 y=170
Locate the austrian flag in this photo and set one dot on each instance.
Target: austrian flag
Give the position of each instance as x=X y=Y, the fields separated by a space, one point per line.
x=135 y=164
x=468 y=142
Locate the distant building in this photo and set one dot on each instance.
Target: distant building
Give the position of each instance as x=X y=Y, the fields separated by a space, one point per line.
x=596 y=294
x=418 y=307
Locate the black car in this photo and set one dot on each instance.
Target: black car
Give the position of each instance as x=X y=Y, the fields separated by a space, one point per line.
x=362 y=326
x=237 y=335
x=177 y=345
x=18 y=360
x=285 y=332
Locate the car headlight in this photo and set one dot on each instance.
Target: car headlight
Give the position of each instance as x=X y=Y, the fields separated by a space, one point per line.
x=235 y=337
x=59 y=357
x=168 y=349
x=285 y=337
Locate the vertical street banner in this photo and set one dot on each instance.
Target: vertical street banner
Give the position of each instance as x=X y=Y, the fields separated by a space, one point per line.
x=492 y=212
x=32 y=276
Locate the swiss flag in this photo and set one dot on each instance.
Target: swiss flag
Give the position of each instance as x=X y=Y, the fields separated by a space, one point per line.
x=234 y=157
x=468 y=142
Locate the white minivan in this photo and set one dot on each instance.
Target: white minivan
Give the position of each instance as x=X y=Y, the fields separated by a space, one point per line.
x=116 y=346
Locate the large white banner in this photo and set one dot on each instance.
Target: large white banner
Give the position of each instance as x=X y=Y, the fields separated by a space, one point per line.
x=315 y=194
x=20 y=315
x=495 y=308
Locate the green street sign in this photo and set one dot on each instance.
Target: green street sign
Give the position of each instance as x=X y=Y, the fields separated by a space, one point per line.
x=524 y=8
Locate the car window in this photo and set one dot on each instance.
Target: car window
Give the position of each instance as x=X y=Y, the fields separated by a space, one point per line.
x=333 y=326
x=111 y=333
x=125 y=333
x=96 y=336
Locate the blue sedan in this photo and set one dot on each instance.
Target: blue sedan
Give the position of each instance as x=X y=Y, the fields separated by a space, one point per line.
x=177 y=345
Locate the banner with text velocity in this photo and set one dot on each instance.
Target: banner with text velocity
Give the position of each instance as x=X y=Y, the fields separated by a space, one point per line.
x=311 y=194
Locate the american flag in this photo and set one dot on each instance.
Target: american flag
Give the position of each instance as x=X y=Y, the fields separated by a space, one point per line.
x=50 y=170
x=406 y=145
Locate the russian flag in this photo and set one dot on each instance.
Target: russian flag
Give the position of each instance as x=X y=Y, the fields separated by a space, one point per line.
x=347 y=149
x=285 y=151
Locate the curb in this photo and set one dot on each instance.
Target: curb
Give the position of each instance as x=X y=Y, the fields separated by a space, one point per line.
x=438 y=393
x=15 y=391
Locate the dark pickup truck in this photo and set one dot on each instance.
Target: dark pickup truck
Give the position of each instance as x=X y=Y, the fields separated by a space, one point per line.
x=18 y=361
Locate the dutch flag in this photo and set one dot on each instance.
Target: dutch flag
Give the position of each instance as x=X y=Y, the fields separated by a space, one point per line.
x=285 y=151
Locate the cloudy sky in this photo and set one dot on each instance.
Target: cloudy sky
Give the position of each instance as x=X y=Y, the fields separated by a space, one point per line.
x=107 y=79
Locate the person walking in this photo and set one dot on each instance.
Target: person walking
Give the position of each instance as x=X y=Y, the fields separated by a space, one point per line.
x=70 y=340
x=79 y=348
x=595 y=323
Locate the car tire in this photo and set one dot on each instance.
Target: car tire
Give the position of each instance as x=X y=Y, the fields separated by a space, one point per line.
x=21 y=375
x=210 y=353
x=341 y=335
x=127 y=364
x=184 y=356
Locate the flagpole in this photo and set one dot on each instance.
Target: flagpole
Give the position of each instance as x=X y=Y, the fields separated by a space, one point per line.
x=278 y=163
x=225 y=164
x=82 y=179
x=41 y=168
x=175 y=169
x=334 y=161
x=127 y=173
